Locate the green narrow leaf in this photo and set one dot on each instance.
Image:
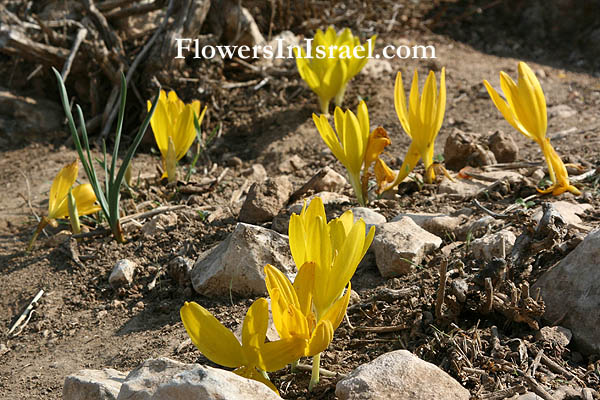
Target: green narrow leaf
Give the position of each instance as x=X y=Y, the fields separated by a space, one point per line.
x=119 y=126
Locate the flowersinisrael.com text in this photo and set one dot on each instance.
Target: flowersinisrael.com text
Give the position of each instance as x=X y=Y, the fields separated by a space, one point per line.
x=188 y=46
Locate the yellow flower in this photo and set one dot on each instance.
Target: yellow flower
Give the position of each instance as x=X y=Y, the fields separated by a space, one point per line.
x=291 y=306
x=525 y=110
x=253 y=355
x=329 y=73
x=173 y=121
x=58 y=203
x=421 y=121
x=336 y=248
x=349 y=145
x=384 y=175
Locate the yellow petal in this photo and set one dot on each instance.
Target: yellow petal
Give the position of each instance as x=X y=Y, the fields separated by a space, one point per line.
x=378 y=141
x=320 y=339
x=252 y=373
x=185 y=132
x=256 y=322
x=297 y=239
x=85 y=199
x=400 y=104
x=59 y=190
x=383 y=175
x=304 y=286
x=276 y=355
x=335 y=313
x=441 y=102
x=161 y=125
x=216 y=342
x=274 y=278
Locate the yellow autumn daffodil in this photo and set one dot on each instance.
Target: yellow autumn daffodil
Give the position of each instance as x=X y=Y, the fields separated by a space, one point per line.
x=293 y=314
x=525 y=109
x=250 y=358
x=174 y=129
x=332 y=251
x=421 y=120
x=348 y=142
x=58 y=203
x=335 y=247
x=333 y=61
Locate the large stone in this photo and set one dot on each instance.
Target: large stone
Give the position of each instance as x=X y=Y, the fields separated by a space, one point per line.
x=237 y=263
x=399 y=375
x=490 y=246
x=438 y=224
x=569 y=211
x=265 y=199
x=463 y=149
x=166 y=379
x=371 y=218
x=122 y=273
x=571 y=291
x=91 y=384
x=401 y=245
x=504 y=147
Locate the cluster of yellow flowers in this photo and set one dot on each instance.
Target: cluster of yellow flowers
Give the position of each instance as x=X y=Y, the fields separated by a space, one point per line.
x=305 y=313
x=328 y=76
x=421 y=116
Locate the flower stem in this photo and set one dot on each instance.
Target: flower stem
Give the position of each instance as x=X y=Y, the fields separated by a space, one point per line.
x=339 y=97
x=314 y=378
x=324 y=104
x=294 y=366
x=361 y=196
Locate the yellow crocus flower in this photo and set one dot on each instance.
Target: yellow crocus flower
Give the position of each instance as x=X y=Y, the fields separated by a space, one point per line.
x=173 y=121
x=336 y=248
x=328 y=74
x=421 y=121
x=293 y=315
x=349 y=144
x=525 y=109
x=58 y=203
x=249 y=358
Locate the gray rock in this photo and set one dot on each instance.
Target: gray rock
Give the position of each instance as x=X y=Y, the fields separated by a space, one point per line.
x=490 y=246
x=371 y=218
x=166 y=379
x=376 y=68
x=91 y=384
x=462 y=149
x=399 y=375
x=237 y=263
x=466 y=188
x=264 y=200
x=158 y=223
x=291 y=164
x=504 y=147
x=561 y=111
x=438 y=224
x=556 y=335
x=569 y=211
x=180 y=269
x=526 y=396
x=401 y=245
x=122 y=273
x=256 y=173
x=328 y=181
x=461 y=188
x=571 y=291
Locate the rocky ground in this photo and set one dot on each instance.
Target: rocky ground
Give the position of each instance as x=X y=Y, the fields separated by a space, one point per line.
x=423 y=285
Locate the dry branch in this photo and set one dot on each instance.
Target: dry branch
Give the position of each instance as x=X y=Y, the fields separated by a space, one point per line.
x=14 y=42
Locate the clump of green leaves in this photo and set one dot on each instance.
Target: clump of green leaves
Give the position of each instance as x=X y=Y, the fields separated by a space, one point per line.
x=108 y=193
